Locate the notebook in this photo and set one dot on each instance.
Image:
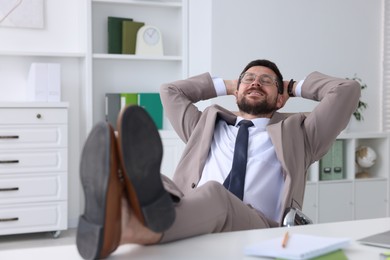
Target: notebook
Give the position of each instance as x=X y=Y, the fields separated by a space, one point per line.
x=299 y=246
x=380 y=239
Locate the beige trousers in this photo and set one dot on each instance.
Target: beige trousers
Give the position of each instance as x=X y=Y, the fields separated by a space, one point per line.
x=210 y=209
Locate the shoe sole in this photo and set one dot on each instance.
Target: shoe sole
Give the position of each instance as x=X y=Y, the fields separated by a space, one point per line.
x=140 y=153
x=99 y=230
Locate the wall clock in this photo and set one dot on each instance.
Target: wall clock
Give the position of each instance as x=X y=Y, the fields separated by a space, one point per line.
x=149 y=41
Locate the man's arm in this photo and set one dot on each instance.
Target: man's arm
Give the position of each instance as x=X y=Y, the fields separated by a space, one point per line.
x=338 y=99
x=178 y=99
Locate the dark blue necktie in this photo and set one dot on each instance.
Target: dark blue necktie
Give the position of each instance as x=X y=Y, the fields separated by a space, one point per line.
x=236 y=179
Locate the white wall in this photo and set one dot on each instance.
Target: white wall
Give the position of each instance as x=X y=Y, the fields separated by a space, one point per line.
x=337 y=37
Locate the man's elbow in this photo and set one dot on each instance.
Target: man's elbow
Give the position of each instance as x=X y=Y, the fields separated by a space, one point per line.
x=164 y=90
x=354 y=89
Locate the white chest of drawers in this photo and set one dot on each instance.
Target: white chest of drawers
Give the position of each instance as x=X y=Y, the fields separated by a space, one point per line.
x=33 y=167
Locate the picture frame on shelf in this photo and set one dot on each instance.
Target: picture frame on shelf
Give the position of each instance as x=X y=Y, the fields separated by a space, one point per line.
x=22 y=14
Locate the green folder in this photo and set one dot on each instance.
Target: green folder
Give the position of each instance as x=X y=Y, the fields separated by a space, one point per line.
x=338 y=160
x=129 y=36
x=128 y=99
x=326 y=162
x=114 y=25
x=332 y=164
x=151 y=102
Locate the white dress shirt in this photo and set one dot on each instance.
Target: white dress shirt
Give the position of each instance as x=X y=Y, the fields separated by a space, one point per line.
x=264 y=177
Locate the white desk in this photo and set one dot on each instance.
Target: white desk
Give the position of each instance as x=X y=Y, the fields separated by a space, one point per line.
x=224 y=245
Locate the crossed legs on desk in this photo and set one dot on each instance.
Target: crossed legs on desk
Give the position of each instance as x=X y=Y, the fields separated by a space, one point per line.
x=118 y=176
x=125 y=198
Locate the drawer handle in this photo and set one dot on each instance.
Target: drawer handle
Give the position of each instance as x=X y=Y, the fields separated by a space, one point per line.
x=39 y=116
x=9 y=161
x=9 y=137
x=8 y=219
x=9 y=189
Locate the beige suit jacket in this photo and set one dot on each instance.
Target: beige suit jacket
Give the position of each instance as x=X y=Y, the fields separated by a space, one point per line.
x=299 y=139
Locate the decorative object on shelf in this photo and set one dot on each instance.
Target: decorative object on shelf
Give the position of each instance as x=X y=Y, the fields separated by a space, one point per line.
x=149 y=41
x=44 y=82
x=365 y=158
x=22 y=13
x=361 y=105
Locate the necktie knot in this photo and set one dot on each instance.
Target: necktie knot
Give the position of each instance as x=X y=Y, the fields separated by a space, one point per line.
x=246 y=123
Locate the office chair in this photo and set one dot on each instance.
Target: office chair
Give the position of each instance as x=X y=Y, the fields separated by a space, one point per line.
x=295 y=217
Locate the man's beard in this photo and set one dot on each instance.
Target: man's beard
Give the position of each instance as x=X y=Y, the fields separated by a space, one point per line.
x=260 y=108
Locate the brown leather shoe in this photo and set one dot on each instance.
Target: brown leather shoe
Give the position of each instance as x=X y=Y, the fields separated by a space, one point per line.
x=140 y=153
x=99 y=229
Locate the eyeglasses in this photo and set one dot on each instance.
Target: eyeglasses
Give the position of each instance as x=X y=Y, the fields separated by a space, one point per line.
x=264 y=79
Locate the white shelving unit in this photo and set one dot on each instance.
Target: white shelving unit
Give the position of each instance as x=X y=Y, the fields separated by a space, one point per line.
x=118 y=73
x=351 y=198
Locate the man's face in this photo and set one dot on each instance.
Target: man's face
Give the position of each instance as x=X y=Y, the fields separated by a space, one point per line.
x=258 y=92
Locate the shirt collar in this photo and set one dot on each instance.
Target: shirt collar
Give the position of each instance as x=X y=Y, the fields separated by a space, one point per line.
x=259 y=123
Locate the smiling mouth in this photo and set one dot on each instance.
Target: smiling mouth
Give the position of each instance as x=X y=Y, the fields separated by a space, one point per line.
x=255 y=93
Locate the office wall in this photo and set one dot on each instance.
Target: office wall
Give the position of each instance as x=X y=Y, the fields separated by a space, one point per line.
x=337 y=37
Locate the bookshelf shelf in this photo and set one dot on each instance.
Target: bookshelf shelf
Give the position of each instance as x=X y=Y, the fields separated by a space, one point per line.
x=135 y=57
x=127 y=73
x=148 y=3
x=355 y=198
x=43 y=54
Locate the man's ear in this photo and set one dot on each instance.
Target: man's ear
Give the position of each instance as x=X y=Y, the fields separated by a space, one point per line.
x=236 y=93
x=281 y=100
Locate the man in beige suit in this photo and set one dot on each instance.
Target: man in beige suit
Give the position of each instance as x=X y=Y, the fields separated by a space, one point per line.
x=156 y=209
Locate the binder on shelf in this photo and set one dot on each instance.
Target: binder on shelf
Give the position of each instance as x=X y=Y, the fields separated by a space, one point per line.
x=151 y=102
x=113 y=106
x=114 y=25
x=338 y=160
x=128 y=99
x=332 y=164
x=326 y=166
x=129 y=36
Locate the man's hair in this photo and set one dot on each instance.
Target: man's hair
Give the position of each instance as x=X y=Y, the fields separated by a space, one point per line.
x=268 y=64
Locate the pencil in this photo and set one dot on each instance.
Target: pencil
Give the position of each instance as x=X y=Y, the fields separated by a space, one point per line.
x=285 y=240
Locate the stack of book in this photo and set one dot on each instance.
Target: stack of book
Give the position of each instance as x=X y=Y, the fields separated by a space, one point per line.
x=332 y=164
x=122 y=35
x=151 y=102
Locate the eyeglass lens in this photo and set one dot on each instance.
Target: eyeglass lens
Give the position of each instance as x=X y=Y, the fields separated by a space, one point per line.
x=264 y=79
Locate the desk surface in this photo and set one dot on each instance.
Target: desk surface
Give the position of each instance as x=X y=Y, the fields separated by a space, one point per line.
x=224 y=245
